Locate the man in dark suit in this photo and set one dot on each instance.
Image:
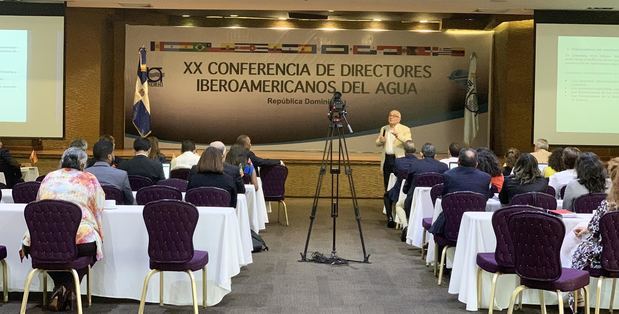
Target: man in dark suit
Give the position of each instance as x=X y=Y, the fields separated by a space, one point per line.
x=425 y=165
x=229 y=169
x=245 y=141
x=103 y=153
x=9 y=167
x=466 y=177
x=141 y=165
x=401 y=168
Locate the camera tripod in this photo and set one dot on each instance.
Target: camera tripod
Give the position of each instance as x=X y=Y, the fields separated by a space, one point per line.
x=334 y=160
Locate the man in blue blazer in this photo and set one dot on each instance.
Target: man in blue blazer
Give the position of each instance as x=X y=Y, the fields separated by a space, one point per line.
x=401 y=168
x=103 y=153
x=425 y=165
x=466 y=177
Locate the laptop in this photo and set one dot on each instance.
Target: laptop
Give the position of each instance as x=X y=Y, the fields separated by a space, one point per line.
x=166 y=170
x=453 y=165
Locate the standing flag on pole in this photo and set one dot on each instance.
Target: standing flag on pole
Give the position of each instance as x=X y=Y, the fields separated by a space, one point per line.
x=141 y=105
x=33 y=157
x=471 y=107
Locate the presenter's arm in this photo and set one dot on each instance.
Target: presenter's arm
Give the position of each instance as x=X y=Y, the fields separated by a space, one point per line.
x=405 y=135
x=380 y=140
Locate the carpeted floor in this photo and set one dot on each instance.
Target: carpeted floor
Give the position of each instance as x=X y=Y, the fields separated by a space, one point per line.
x=396 y=281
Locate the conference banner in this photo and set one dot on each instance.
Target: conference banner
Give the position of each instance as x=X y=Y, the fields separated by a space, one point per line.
x=211 y=84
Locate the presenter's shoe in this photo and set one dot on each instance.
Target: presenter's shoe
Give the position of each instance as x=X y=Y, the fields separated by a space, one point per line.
x=390 y=223
x=403 y=235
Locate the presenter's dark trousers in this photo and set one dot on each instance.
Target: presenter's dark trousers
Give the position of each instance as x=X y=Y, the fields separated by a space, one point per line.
x=388 y=168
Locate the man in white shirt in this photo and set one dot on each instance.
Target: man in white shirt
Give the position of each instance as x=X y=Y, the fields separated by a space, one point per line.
x=541 y=152
x=562 y=178
x=454 y=152
x=188 y=157
x=392 y=137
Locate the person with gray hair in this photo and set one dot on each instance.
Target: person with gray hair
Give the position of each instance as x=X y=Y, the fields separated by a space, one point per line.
x=401 y=168
x=425 y=165
x=71 y=184
x=79 y=143
x=541 y=152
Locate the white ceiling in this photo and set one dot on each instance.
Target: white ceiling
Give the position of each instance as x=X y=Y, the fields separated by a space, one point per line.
x=429 y=6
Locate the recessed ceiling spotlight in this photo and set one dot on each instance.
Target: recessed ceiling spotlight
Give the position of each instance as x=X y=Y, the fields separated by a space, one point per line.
x=281 y=18
x=424 y=21
x=234 y=15
x=186 y=15
x=331 y=11
x=376 y=20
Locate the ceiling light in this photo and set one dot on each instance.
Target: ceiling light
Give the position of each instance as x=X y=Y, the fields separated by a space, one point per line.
x=331 y=11
x=234 y=15
x=281 y=18
x=424 y=21
x=186 y=15
x=376 y=20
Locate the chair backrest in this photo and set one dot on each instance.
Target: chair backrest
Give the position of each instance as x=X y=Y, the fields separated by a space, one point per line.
x=26 y=192
x=180 y=173
x=170 y=225
x=537 y=199
x=2 y=185
x=402 y=174
x=436 y=191
x=550 y=191
x=562 y=191
x=274 y=182
x=504 y=253
x=113 y=193
x=53 y=226
x=454 y=205
x=157 y=192
x=609 y=232
x=40 y=178
x=537 y=239
x=179 y=184
x=586 y=204
x=208 y=196
x=138 y=182
x=246 y=179
x=427 y=179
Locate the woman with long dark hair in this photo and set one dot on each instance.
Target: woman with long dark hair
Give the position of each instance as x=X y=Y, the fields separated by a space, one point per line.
x=590 y=178
x=526 y=178
x=511 y=156
x=488 y=162
x=554 y=162
x=238 y=155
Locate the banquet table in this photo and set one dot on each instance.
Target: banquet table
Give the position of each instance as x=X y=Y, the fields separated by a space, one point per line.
x=421 y=207
x=120 y=274
x=29 y=173
x=477 y=236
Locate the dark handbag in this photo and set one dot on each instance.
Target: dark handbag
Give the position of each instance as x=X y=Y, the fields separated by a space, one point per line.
x=258 y=243
x=438 y=226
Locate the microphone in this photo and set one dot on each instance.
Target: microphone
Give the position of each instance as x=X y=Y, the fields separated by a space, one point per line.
x=384 y=131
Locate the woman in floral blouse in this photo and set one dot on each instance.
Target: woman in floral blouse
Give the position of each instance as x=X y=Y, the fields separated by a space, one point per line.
x=70 y=183
x=587 y=254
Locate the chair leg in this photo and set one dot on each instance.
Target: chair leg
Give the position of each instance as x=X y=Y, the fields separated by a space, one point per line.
x=612 y=297
x=285 y=211
x=435 y=259
x=88 y=293
x=44 y=287
x=586 y=296
x=5 y=281
x=598 y=295
x=204 y=287
x=423 y=242
x=560 y=299
x=145 y=289
x=542 y=303
x=24 y=300
x=78 y=292
x=194 y=296
x=160 y=288
x=512 y=300
x=492 y=291
x=479 y=273
x=442 y=265
x=520 y=302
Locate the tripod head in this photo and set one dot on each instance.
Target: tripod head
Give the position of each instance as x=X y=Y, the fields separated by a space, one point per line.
x=337 y=112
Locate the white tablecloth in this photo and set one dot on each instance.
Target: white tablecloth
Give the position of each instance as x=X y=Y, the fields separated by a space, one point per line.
x=120 y=274
x=7 y=196
x=263 y=215
x=421 y=207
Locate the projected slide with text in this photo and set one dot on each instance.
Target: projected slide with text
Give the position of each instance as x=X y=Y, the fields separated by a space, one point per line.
x=13 y=75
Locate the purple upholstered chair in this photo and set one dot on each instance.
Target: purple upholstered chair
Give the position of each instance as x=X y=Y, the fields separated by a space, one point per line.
x=537 y=199
x=5 y=282
x=500 y=261
x=2 y=186
x=274 y=186
x=551 y=191
x=179 y=184
x=26 y=192
x=537 y=238
x=113 y=193
x=53 y=226
x=426 y=223
x=436 y=191
x=157 y=192
x=170 y=225
x=246 y=179
x=454 y=206
x=180 y=173
x=208 y=196
x=40 y=178
x=138 y=182
x=428 y=179
x=586 y=204
x=609 y=233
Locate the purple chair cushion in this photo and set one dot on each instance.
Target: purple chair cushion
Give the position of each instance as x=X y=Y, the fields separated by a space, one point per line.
x=197 y=262
x=570 y=280
x=426 y=223
x=487 y=262
x=2 y=252
x=78 y=263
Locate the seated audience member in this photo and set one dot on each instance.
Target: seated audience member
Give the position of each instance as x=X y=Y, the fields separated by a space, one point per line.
x=79 y=143
x=562 y=178
x=238 y=156
x=488 y=162
x=466 y=177
x=103 y=153
x=155 y=152
x=229 y=169
x=258 y=162
x=9 y=167
x=590 y=178
x=188 y=157
x=454 y=151
x=554 y=163
x=511 y=156
x=141 y=165
x=211 y=174
x=588 y=252
x=423 y=165
x=116 y=161
x=402 y=166
x=541 y=152
x=526 y=178
x=70 y=183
